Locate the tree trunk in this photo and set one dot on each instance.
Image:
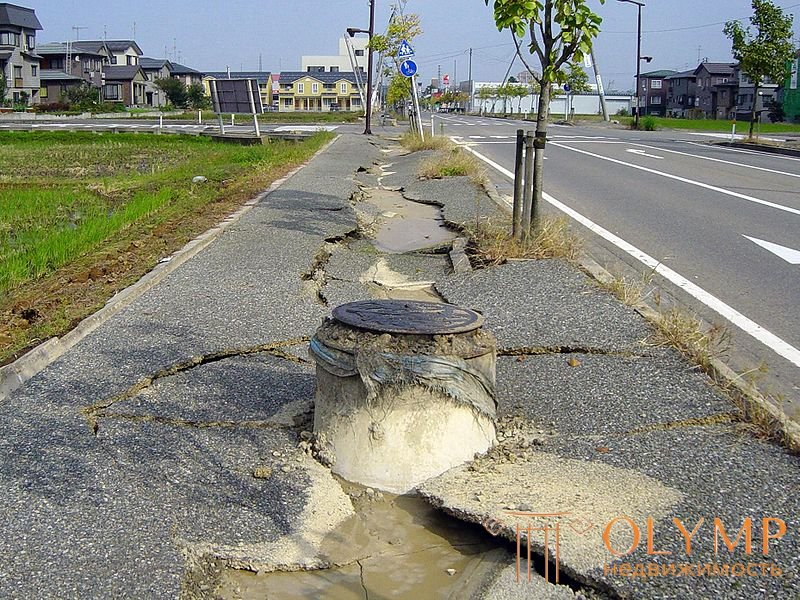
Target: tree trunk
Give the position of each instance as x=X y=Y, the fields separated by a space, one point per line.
x=753 y=113
x=538 y=152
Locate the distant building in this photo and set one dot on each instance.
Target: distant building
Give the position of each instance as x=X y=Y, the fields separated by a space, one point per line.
x=653 y=92
x=340 y=62
x=65 y=65
x=19 y=62
x=682 y=95
x=746 y=96
x=319 y=91
x=790 y=94
x=716 y=89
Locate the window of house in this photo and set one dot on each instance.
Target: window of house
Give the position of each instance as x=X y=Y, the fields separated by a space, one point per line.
x=132 y=60
x=301 y=88
x=9 y=38
x=655 y=100
x=656 y=84
x=31 y=41
x=43 y=92
x=34 y=70
x=343 y=88
x=359 y=53
x=56 y=63
x=287 y=102
x=355 y=102
x=314 y=88
x=111 y=91
x=315 y=69
x=17 y=71
x=334 y=69
x=113 y=59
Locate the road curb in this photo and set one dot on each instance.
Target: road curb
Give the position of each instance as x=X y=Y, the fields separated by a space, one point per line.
x=752 y=403
x=15 y=374
x=762 y=148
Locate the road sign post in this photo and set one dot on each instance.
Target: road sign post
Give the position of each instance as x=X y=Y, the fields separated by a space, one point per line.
x=408 y=68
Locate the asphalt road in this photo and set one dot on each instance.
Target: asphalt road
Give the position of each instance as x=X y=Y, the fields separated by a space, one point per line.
x=720 y=226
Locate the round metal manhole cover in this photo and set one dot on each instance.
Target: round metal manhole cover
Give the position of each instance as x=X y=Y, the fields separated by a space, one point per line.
x=408 y=316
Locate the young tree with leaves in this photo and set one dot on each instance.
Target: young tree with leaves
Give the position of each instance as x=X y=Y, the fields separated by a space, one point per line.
x=401 y=27
x=555 y=32
x=175 y=91
x=3 y=88
x=764 y=51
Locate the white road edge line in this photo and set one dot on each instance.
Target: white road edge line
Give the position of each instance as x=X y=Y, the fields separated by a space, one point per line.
x=747 y=325
x=719 y=160
x=683 y=180
x=743 y=151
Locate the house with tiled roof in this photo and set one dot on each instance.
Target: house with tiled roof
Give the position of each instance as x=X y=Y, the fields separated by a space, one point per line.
x=19 y=62
x=682 y=95
x=319 y=91
x=65 y=65
x=120 y=52
x=125 y=84
x=653 y=88
x=716 y=89
x=185 y=74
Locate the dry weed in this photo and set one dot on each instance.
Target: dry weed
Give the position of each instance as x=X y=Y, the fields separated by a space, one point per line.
x=492 y=242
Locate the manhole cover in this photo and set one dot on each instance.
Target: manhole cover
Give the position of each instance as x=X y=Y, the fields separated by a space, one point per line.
x=408 y=316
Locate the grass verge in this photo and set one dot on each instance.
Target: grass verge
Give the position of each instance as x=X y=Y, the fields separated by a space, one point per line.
x=492 y=243
x=273 y=117
x=83 y=216
x=414 y=143
x=715 y=125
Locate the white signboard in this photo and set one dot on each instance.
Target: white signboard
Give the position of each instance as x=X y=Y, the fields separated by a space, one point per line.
x=793 y=80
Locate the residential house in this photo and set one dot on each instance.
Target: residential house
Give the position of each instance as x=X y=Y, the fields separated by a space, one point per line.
x=124 y=83
x=155 y=69
x=276 y=90
x=68 y=64
x=342 y=62
x=682 y=95
x=19 y=62
x=746 y=96
x=264 y=79
x=716 y=89
x=653 y=92
x=318 y=91
x=185 y=74
x=120 y=52
x=790 y=93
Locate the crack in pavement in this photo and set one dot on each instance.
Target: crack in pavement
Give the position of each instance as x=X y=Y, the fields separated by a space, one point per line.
x=94 y=412
x=547 y=350
x=715 y=419
x=363 y=585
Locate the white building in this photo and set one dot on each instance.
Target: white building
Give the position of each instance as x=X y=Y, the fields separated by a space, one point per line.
x=341 y=61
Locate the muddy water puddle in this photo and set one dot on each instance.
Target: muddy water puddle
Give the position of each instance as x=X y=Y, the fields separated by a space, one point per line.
x=393 y=547
x=405 y=226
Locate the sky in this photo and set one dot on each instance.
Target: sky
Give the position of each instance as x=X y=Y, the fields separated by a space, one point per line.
x=210 y=35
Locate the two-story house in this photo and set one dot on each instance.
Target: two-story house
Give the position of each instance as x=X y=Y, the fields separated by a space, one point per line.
x=185 y=74
x=653 y=88
x=19 y=62
x=155 y=69
x=716 y=89
x=681 y=95
x=746 y=96
x=68 y=64
x=329 y=91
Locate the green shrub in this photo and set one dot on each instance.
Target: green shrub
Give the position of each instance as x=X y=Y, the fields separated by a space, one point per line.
x=648 y=123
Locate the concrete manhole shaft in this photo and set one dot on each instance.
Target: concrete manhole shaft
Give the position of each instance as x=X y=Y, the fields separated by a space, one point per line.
x=400 y=406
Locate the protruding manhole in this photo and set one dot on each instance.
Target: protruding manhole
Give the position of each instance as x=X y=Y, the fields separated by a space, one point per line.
x=405 y=390
x=408 y=316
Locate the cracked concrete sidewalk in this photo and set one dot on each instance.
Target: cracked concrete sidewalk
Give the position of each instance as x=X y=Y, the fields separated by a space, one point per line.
x=165 y=447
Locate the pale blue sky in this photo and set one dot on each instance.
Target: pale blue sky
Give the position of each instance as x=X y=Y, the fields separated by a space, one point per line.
x=212 y=34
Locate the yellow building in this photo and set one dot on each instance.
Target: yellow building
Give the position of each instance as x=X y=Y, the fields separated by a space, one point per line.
x=319 y=92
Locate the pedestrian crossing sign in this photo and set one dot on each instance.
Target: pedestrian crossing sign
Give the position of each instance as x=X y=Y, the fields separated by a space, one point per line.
x=405 y=50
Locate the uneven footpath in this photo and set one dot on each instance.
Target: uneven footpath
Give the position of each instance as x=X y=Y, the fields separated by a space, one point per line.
x=168 y=453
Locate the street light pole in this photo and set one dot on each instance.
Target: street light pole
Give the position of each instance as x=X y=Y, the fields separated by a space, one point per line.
x=368 y=128
x=639 y=6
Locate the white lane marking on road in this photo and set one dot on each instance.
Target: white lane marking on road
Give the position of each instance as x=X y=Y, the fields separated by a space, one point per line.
x=770 y=155
x=790 y=255
x=719 y=160
x=707 y=186
x=639 y=152
x=727 y=136
x=747 y=325
x=306 y=128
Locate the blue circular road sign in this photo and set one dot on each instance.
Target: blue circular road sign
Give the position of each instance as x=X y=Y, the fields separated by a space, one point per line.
x=408 y=68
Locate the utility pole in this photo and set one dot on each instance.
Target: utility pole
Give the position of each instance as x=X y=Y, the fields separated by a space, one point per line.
x=471 y=88
x=370 y=67
x=455 y=75
x=600 y=89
